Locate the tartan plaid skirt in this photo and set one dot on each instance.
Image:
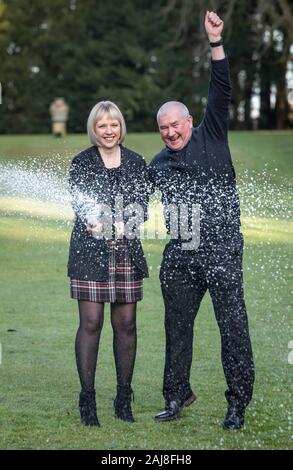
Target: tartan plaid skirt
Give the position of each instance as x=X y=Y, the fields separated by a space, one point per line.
x=121 y=286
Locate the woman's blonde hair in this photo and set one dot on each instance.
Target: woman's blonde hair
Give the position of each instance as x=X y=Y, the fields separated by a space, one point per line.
x=98 y=112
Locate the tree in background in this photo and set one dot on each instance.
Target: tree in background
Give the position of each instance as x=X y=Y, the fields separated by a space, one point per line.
x=83 y=51
x=138 y=54
x=275 y=56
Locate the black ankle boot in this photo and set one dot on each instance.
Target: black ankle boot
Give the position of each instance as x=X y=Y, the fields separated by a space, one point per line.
x=87 y=408
x=122 y=403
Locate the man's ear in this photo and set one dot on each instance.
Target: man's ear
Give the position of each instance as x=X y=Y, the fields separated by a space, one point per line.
x=190 y=120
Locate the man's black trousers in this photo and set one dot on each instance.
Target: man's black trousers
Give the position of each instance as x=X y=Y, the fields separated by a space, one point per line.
x=185 y=276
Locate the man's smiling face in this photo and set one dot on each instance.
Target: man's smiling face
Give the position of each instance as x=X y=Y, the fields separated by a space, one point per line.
x=175 y=127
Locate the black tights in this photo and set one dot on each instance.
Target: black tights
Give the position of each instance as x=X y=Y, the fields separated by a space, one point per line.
x=123 y=320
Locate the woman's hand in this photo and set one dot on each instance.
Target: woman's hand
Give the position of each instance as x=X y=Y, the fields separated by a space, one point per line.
x=95 y=231
x=94 y=228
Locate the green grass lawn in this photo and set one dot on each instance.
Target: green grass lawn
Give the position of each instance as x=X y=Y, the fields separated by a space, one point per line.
x=39 y=383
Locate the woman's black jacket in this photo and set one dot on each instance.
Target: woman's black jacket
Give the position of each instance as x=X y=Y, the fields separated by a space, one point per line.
x=91 y=184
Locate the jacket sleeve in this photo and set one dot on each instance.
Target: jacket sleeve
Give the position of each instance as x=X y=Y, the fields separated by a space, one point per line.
x=138 y=196
x=151 y=178
x=216 y=118
x=82 y=203
x=135 y=198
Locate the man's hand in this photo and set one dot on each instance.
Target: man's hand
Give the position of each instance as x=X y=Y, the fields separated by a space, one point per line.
x=213 y=26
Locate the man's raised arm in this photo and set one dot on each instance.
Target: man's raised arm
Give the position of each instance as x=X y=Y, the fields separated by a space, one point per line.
x=214 y=27
x=216 y=118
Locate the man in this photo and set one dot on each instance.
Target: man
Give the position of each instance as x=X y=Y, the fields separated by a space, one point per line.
x=195 y=168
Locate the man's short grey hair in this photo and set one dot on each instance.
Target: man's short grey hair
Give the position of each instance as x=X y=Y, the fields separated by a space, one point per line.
x=101 y=109
x=165 y=108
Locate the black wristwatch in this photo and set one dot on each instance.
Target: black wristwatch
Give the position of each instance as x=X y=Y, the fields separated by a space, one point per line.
x=217 y=43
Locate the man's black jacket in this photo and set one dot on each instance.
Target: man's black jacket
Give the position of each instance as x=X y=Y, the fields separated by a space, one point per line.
x=202 y=173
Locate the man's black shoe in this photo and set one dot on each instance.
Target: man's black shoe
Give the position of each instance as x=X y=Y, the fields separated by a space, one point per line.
x=171 y=412
x=234 y=419
x=174 y=407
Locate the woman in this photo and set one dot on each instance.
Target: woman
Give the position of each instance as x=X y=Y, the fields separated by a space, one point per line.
x=106 y=260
